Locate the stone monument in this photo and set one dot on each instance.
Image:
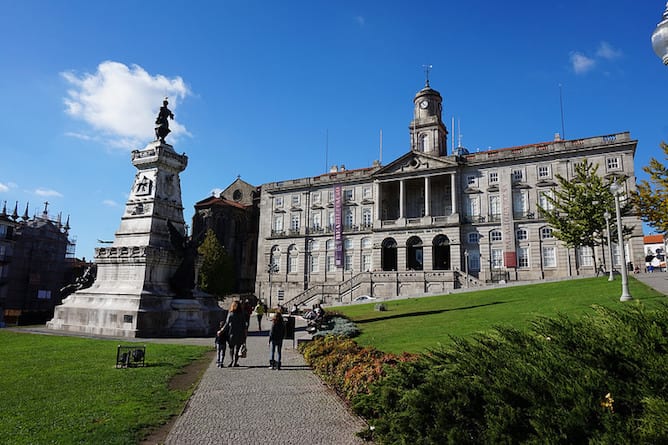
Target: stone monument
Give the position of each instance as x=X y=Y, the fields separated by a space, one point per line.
x=145 y=279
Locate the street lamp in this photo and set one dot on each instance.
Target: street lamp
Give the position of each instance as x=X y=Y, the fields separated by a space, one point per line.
x=466 y=266
x=272 y=268
x=616 y=190
x=607 y=216
x=660 y=38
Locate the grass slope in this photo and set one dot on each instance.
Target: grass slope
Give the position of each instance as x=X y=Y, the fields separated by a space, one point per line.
x=413 y=325
x=66 y=390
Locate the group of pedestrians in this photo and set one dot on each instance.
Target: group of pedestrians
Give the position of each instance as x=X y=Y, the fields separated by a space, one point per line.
x=234 y=330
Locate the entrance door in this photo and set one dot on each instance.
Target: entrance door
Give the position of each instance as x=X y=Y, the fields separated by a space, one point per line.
x=389 y=254
x=441 y=253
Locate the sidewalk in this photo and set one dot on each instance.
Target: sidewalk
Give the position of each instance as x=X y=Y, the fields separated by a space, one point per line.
x=252 y=404
x=656 y=280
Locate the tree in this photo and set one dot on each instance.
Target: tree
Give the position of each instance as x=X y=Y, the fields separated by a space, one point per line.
x=577 y=208
x=216 y=275
x=651 y=198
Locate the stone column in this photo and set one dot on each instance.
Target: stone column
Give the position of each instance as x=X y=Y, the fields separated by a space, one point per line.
x=453 y=193
x=427 y=202
x=401 y=198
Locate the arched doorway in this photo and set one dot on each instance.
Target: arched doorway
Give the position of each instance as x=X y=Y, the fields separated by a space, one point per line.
x=389 y=254
x=441 y=253
x=414 y=256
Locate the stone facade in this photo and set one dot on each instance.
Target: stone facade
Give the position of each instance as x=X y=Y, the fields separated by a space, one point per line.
x=430 y=221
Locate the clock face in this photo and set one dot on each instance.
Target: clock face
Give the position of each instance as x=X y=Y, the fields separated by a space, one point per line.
x=424 y=104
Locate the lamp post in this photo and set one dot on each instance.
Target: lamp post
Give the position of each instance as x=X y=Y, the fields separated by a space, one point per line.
x=272 y=268
x=660 y=38
x=616 y=190
x=607 y=215
x=466 y=266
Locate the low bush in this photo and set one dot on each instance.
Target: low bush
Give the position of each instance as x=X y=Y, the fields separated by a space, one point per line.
x=338 y=327
x=602 y=378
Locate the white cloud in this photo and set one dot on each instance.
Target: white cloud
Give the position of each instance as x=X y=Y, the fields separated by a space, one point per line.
x=216 y=192
x=47 y=192
x=110 y=203
x=581 y=63
x=3 y=188
x=606 y=51
x=120 y=103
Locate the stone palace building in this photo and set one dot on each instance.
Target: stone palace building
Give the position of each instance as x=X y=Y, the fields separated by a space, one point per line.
x=430 y=221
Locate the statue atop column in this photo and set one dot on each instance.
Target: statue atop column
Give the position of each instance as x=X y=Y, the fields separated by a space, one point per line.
x=162 y=122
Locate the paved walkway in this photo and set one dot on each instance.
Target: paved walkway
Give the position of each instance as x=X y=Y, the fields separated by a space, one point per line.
x=657 y=280
x=252 y=404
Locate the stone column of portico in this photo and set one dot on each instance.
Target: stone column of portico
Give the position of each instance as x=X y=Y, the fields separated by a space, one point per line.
x=453 y=193
x=427 y=207
x=401 y=198
x=377 y=216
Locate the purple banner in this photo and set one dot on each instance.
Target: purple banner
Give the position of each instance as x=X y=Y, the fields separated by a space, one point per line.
x=338 y=227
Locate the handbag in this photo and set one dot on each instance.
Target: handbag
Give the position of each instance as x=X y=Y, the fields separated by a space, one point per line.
x=243 y=351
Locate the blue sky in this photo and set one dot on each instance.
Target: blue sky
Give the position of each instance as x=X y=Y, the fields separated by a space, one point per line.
x=276 y=90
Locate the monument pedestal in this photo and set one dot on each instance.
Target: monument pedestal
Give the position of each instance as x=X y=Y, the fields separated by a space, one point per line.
x=133 y=294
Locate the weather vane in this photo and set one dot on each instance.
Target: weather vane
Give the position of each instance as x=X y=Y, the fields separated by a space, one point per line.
x=427 y=70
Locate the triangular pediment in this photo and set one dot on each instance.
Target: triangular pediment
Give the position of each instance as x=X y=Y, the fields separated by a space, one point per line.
x=413 y=162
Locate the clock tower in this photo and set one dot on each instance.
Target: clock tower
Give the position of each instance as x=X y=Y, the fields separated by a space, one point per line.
x=428 y=133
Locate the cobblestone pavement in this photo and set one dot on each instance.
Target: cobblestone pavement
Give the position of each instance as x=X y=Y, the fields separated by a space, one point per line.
x=657 y=280
x=253 y=404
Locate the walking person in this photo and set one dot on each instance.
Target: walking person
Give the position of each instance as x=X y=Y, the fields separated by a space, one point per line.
x=259 y=311
x=276 y=335
x=236 y=331
x=221 y=344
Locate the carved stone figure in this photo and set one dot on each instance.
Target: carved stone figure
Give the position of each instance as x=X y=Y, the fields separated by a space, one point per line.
x=162 y=122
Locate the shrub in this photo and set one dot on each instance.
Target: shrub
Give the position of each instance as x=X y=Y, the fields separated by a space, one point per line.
x=338 y=326
x=602 y=378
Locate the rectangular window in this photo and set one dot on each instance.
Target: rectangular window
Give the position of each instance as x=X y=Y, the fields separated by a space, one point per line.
x=494 y=207
x=296 y=199
x=348 y=195
x=3 y=231
x=546 y=233
x=330 y=196
x=613 y=163
x=366 y=193
x=474 y=238
x=497 y=258
x=520 y=204
x=493 y=177
x=313 y=264
x=496 y=235
x=543 y=171
x=279 y=201
x=521 y=235
x=349 y=218
x=586 y=256
x=472 y=208
x=278 y=223
x=348 y=263
x=315 y=197
x=292 y=263
x=549 y=256
x=330 y=263
x=518 y=175
x=366 y=217
x=317 y=223
x=523 y=257
x=294 y=222
x=544 y=202
x=366 y=263
x=470 y=180
x=43 y=294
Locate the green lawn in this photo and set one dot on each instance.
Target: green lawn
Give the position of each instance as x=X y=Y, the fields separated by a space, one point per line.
x=67 y=390
x=413 y=325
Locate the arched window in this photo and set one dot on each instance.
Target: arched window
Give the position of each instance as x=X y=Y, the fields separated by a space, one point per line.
x=366 y=243
x=293 y=254
x=389 y=254
x=441 y=252
x=275 y=259
x=414 y=254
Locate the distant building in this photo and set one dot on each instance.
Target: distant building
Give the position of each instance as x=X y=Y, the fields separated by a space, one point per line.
x=233 y=216
x=655 y=252
x=36 y=259
x=430 y=221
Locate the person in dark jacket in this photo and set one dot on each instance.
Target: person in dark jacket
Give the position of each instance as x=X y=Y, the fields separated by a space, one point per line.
x=276 y=335
x=221 y=344
x=236 y=331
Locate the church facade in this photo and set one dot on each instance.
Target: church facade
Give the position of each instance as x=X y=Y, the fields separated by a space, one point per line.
x=430 y=221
